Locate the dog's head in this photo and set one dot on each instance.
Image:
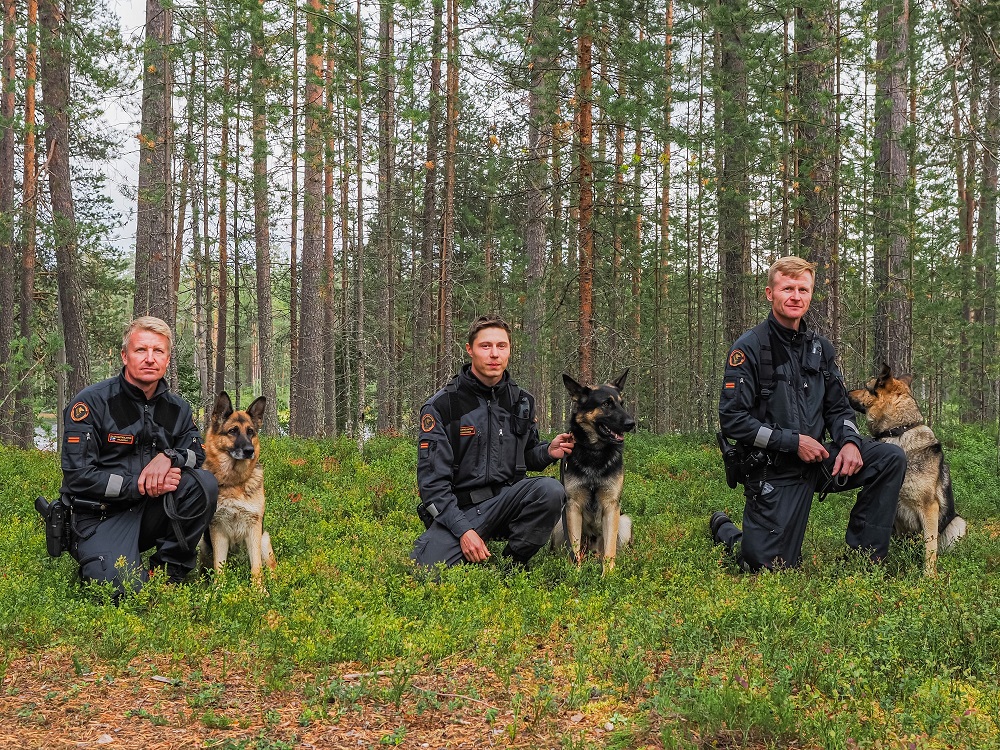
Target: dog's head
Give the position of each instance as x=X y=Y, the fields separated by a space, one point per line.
x=235 y=430
x=598 y=412
x=885 y=399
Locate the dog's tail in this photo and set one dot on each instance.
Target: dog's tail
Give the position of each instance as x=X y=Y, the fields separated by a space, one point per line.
x=951 y=526
x=951 y=533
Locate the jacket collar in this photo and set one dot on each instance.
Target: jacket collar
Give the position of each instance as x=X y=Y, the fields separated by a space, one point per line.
x=470 y=381
x=787 y=335
x=135 y=393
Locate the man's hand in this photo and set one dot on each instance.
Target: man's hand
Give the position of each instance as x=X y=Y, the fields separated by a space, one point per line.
x=848 y=461
x=159 y=477
x=473 y=547
x=811 y=450
x=562 y=445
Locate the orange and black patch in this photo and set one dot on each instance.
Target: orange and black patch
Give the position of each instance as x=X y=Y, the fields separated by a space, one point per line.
x=737 y=358
x=120 y=439
x=425 y=444
x=79 y=412
x=467 y=430
x=729 y=385
x=427 y=422
x=73 y=439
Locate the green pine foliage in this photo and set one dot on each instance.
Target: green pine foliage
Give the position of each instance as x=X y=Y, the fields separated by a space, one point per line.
x=837 y=654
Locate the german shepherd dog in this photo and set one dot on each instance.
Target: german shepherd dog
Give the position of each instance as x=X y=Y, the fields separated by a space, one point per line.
x=594 y=472
x=232 y=454
x=926 y=501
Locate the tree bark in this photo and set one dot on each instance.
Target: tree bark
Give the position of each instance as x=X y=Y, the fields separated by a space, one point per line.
x=55 y=77
x=734 y=158
x=388 y=360
x=309 y=413
x=222 y=308
x=24 y=417
x=444 y=307
x=815 y=39
x=893 y=318
x=262 y=219
x=585 y=177
x=8 y=375
x=154 y=289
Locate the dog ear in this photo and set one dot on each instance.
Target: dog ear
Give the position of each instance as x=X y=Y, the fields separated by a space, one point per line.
x=908 y=379
x=619 y=382
x=576 y=390
x=223 y=408
x=256 y=410
x=885 y=374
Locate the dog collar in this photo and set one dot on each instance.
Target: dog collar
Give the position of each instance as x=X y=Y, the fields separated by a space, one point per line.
x=896 y=431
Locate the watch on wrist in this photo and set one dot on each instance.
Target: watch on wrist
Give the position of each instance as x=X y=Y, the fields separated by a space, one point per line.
x=176 y=459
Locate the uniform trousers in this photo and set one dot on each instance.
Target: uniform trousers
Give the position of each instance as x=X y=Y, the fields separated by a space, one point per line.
x=776 y=512
x=524 y=514
x=110 y=548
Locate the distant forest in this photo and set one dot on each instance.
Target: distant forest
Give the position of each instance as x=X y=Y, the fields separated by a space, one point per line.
x=328 y=192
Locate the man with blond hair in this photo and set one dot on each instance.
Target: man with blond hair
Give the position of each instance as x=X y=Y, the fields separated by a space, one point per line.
x=782 y=394
x=131 y=459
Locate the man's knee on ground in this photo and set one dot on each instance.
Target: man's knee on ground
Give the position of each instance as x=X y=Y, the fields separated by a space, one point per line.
x=548 y=491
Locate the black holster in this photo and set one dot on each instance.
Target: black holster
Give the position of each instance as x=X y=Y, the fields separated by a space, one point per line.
x=57 y=516
x=427 y=513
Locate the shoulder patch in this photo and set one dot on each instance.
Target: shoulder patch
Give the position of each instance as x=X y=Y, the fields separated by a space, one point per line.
x=729 y=385
x=737 y=358
x=79 y=412
x=427 y=422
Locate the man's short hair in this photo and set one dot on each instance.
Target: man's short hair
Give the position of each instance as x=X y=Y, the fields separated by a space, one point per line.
x=487 y=321
x=790 y=265
x=148 y=323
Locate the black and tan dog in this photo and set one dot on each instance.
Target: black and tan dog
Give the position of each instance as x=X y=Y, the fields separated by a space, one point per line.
x=232 y=454
x=594 y=472
x=926 y=502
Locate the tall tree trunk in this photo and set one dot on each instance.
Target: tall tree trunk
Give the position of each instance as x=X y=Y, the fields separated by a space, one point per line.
x=7 y=259
x=815 y=38
x=55 y=76
x=388 y=361
x=329 y=207
x=262 y=218
x=222 y=309
x=734 y=161
x=310 y=389
x=540 y=107
x=293 y=270
x=986 y=237
x=444 y=307
x=425 y=333
x=154 y=289
x=661 y=340
x=893 y=319
x=24 y=412
x=360 y=343
x=585 y=170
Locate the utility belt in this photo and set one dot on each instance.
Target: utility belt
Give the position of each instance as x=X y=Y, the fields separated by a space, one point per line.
x=479 y=495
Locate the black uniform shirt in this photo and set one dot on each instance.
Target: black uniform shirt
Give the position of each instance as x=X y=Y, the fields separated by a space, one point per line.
x=488 y=446
x=111 y=431
x=808 y=397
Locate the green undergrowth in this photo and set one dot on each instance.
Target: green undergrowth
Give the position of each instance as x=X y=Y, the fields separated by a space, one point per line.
x=837 y=654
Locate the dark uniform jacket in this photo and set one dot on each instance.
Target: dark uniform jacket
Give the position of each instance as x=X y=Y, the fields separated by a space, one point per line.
x=488 y=446
x=808 y=396
x=112 y=431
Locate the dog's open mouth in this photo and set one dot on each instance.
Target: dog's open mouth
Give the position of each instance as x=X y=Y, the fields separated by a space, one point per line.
x=610 y=434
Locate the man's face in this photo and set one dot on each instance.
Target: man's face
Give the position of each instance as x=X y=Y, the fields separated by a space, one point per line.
x=490 y=351
x=790 y=297
x=146 y=358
